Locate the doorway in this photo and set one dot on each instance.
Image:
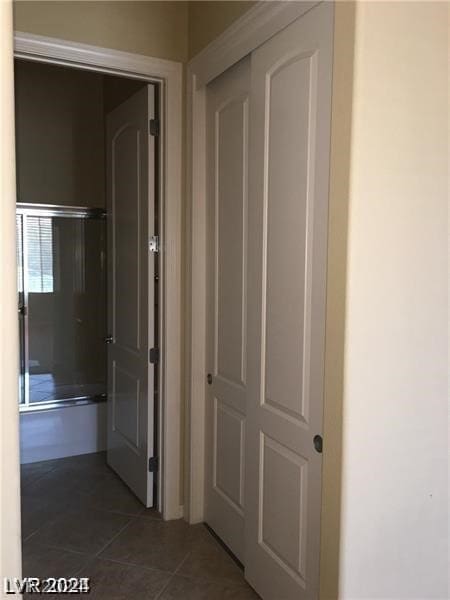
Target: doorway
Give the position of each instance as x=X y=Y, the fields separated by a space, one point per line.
x=87 y=166
x=169 y=75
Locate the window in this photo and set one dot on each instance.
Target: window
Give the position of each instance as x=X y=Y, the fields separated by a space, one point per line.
x=40 y=254
x=19 y=253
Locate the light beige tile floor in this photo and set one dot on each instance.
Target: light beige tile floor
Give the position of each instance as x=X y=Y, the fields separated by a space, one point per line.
x=80 y=520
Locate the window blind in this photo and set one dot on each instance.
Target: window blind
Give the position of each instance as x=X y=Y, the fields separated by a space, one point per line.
x=19 y=253
x=40 y=254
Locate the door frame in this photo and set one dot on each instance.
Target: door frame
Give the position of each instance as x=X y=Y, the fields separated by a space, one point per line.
x=254 y=28
x=168 y=74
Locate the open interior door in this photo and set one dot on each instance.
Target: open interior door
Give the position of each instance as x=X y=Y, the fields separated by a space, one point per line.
x=131 y=222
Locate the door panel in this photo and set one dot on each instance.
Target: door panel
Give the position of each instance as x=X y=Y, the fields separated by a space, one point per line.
x=288 y=200
x=126 y=406
x=130 y=194
x=231 y=119
x=228 y=453
x=285 y=236
x=127 y=237
x=227 y=113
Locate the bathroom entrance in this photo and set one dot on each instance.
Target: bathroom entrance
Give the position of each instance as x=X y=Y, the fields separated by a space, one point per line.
x=87 y=232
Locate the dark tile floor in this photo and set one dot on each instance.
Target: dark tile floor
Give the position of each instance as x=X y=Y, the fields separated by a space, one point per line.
x=80 y=520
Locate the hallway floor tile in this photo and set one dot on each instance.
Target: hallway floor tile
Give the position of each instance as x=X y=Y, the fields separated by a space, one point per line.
x=80 y=520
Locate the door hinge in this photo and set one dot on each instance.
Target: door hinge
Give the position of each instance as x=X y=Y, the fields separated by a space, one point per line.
x=153 y=244
x=153 y=356
x=154 y=127
x=153 y=464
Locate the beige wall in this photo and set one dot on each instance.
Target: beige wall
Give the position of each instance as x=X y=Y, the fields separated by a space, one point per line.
x=171 y=30
x=158 y=29
x=394 y=528
x=207 y=20
x=59 y=135
x=118 y=89
x=60 y=143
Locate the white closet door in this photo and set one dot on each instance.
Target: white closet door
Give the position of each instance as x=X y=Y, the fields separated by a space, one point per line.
x=227 y=114
x=287 y=243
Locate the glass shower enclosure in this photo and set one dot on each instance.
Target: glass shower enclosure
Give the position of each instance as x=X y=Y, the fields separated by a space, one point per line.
x=61 y=305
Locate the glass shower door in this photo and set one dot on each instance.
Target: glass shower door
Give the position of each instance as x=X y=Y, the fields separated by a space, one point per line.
x=64 y=305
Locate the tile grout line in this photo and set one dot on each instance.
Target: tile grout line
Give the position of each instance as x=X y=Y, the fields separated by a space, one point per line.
x=28 y=537
x=63 y=549
x=61 y=464
x=138 y=515
x=114 y=537
x=88 y=558
x=40 y=528
x=216 y=580
x=177 y=570
x=164 y=587
x=38 y=478
x=79 y=571
x=135 y=565
x=116 y=512
x=173 y=575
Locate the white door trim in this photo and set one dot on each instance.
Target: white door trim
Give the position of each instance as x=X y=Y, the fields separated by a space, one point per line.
x=10 y=545
x=247 y=33
x=169 y=74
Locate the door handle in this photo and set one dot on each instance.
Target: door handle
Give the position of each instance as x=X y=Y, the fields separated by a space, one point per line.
x=22 y=309
x=108 y=339
x=318 y=443
x=209 y=379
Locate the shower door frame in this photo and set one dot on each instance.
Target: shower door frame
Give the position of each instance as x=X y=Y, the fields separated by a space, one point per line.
x=45 y=210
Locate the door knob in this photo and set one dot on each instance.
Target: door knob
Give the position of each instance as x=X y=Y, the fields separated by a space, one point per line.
x=318 y=443
x=108 y=339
